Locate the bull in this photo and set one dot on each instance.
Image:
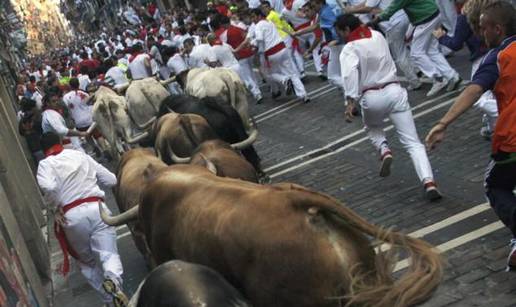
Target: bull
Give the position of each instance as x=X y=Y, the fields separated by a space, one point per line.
x=281 y=245
x=216 y=82
x=179 y=134
x=224 y=120
x=112 y=119
x=179 y=283
x=130 y=182
x=223 y=160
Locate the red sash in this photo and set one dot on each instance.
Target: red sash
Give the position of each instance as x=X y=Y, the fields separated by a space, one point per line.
x=273 y=50
x=66 y=248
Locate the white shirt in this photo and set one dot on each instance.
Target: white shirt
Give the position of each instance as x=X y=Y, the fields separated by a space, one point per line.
x=224 y=54
x=115 y=76
x=199 y=55
x=72 y=175
x=52 y=121
x=176 y=64
x=366 y=63
x=266 y=35
x=84 y=81
x=81 y=112
x=137 y=67
x=253 y=3
x=292 y=16
x=395 y=19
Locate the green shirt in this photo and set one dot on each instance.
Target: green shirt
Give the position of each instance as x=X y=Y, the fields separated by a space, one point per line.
x=417 y=10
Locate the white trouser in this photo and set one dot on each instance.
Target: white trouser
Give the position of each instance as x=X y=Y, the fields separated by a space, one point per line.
x=95 y=244
x=487 y=102
x=449 y=14
x=247 y=75
x=297 y=57
x=425 y=51
x=282 y=69
x=334 y=75
x=392 y=102
x=400 y=53
x=316 y=55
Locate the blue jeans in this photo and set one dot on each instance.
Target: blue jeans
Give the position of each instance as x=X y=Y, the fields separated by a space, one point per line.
x=500 y=184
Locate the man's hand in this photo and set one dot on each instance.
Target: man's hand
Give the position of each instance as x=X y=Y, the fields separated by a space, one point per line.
x=59 y=217
x=349 y=111
x=307 y=54
x=435 y=136
x=438 y=33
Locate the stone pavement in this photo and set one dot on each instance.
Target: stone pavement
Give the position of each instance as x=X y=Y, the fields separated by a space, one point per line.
x=313 y=146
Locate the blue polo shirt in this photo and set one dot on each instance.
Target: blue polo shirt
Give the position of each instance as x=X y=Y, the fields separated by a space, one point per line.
x=487 y=73
x=327 y=20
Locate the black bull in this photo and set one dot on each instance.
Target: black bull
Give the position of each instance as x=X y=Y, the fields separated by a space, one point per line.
x=220 y=115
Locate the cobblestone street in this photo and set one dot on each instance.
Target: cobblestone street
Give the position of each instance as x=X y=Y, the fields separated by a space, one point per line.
x=312 y=145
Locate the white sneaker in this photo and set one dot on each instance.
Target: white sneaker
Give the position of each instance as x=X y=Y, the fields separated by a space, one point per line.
x=453 y=83
x=436 y=87
x=511 y=259
x=386 y=158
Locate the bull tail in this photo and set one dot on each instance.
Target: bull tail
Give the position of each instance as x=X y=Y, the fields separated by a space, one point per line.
x=185 y=122
x=416 y=285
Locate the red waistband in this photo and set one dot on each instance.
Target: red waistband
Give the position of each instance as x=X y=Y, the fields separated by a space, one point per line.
x=81 y=201
x=275 y=49
x=379 y=87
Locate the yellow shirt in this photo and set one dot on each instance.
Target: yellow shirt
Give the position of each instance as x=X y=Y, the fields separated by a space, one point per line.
x=281 y=25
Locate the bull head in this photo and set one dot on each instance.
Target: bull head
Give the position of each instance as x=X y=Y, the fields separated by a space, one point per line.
x=236 y=146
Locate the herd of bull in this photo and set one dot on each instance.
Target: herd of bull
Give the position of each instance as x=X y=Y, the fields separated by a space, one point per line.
x=215 y=236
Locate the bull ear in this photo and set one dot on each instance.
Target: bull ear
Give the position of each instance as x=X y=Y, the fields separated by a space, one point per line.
x=208 y=164
x=150 y=172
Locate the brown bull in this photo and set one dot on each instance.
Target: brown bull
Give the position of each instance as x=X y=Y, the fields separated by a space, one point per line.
x=281 y=245
x=180 y=134
x=130 y=183
x=225 y=161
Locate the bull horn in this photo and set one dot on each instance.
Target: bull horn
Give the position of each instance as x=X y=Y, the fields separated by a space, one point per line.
x=91 y=128
x=137 y=138
x=147 y=124
x=122 y=87
x=122 y=218
x=179 y=160
x=167 y=81
x=247 y=142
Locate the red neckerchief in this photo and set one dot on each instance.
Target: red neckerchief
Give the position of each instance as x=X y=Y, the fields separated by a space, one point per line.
x=133 y=56
x=216 y=42
x=54 y=150
x=359 y=33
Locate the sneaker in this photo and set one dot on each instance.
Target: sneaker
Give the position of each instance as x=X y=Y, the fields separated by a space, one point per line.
x=486 y=133
x=414 y=86
x=259 y=100
x=385 y=168
x=306 y=100
x=511 y=259
x=112 y=288
x=453 y=83
x=322 y=76
x=436 y=87
x=289 y=88
x=431 y=191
